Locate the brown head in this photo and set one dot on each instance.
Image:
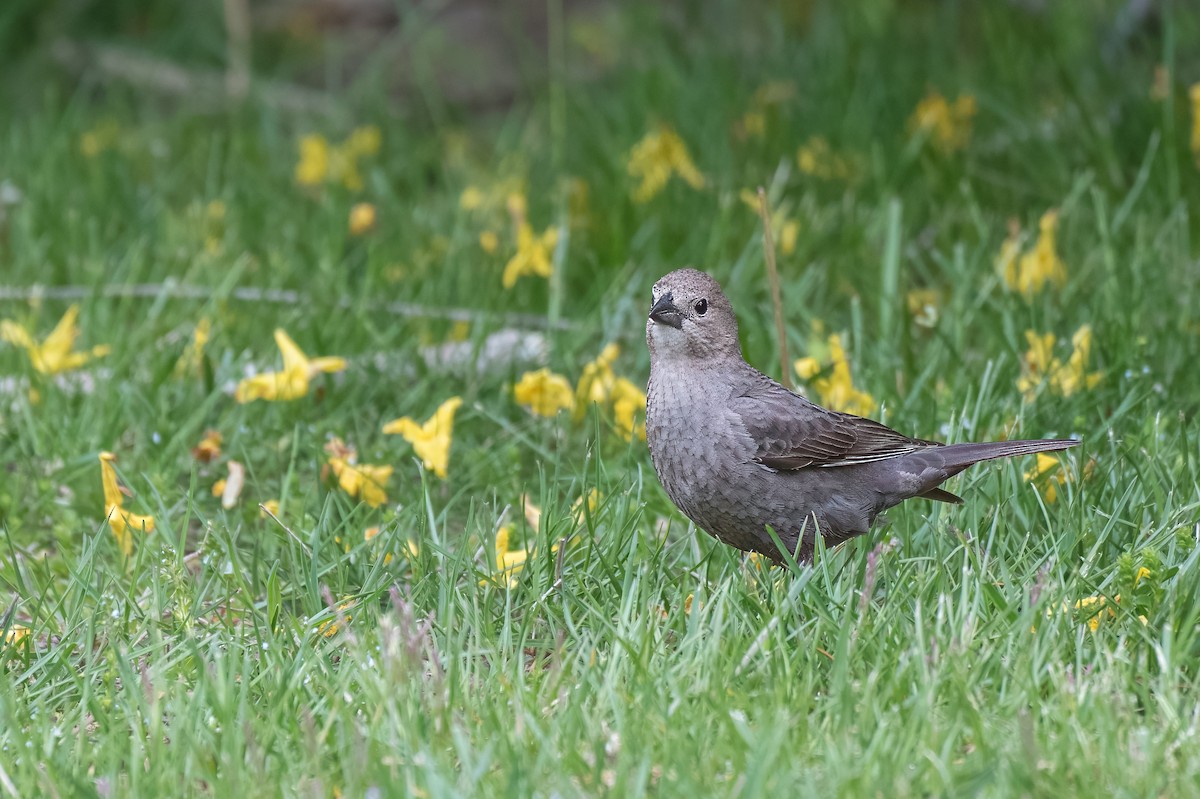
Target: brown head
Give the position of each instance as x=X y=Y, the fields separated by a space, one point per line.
x=690 y=317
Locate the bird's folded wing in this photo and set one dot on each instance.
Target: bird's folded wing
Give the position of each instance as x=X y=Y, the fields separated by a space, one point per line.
x=792 y=433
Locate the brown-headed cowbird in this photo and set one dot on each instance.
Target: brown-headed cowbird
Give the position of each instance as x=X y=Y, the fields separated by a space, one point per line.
x=737 y=451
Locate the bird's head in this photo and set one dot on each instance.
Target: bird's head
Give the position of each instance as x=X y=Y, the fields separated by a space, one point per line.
x=690 y=317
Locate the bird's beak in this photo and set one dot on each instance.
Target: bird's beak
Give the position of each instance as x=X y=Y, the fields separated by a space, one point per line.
x=664 y=312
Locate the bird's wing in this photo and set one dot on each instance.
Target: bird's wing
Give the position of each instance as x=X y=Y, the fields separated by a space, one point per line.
x=792 y=433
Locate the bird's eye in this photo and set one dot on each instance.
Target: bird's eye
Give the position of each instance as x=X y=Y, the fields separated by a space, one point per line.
x=701 y=307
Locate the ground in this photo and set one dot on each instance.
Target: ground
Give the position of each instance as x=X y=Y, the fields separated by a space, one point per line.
x=983 y=230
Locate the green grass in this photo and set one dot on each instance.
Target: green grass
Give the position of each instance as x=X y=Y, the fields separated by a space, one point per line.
x=944 y=664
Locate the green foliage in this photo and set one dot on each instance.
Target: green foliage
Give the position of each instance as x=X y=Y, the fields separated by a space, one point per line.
x=950 y=652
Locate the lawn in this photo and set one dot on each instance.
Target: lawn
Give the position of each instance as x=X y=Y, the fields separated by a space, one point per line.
x=396 y=558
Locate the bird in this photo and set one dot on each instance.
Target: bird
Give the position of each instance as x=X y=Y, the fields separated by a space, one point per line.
x=738 y=453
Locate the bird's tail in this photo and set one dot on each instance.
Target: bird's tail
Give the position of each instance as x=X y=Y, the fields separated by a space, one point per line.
x=960 y=456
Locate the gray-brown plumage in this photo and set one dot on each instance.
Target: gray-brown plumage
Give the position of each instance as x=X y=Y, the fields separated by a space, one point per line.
x=737 y=451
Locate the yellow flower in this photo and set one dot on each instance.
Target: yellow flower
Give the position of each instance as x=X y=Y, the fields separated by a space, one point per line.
x=1032 y=271
x=509 y=561
x=1093 y=609
x=471 y=198
x=785 y=231
x=1039 y=366
x=430 y=440
x=100 y=138
x=15 y=633
x=362 y=219
x=544 y=392
x=366 y=482
x=947 y=124
x=817 y=159
x=923 y=306
x=596 y=382
x=209 y=448
x=191 y=362
x=836 y=391
x=55 y=354
x=489 y=241
x=1194 y=96
x=292 y=381
x=629 y=409
x=517 y=207
x=591 y=500
x=313 y=166
x=654 y=159
x=532 y=256
x=330 y=628
x=1049 y=473
x=320 y=161
x=269 y=508
x=119 y=520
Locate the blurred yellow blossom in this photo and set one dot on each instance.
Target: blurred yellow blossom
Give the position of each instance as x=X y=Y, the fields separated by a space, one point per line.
x=1032 y=271
x=629 y=409
x=589 y=501
x=509 y=560
x=1194 y=96
x=654 y=159
x=55 y=354
x=544 y=392
x=408 y=548
x=836 y=390
x=321 y=161
x=362 y=219
x=596 y=383
x=120 y=521
x=817 y=159
x=16 y=633
x=431 y=439
x=532 y=256
x=1040 y=367
x=209 y=448
x=365 y=481
x=191 y=362
x=947 y=124
x=331 y=627
x=785 y=231
x=292 y=381
x=1048 y=473
x=489 y=242
x=269 y=508
x=924 y=305
x=517 y=207
x=100 y=138
x=471 y=198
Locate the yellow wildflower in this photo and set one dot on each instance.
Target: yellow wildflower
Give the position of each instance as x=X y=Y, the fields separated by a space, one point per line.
x=191 y=362
x=509 y=561
x=292 y=381
x=1039 y=366
x=1049 y=473
x=431 y=439
x=320 y=161
x=16 y=633
x=836 y=390
x=330 y=628
x=817 y=159
x=119 y=520
x=1040 y=266
x=209 y=448
x=489 y=242
x=362 y=219
x=100 y=138
x=471 y=198
x=269 y=508
x=785 y=231
x=591 y=500
x=366 y=482
x=544 y=392
x=55 y=353
x=923 y=306
x=947 y=124
x=629 y=409
x=596 y=383
x=654 y=159
x=517 y=206
x=1194 y=96
x=313 y=166
x=532 y=256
